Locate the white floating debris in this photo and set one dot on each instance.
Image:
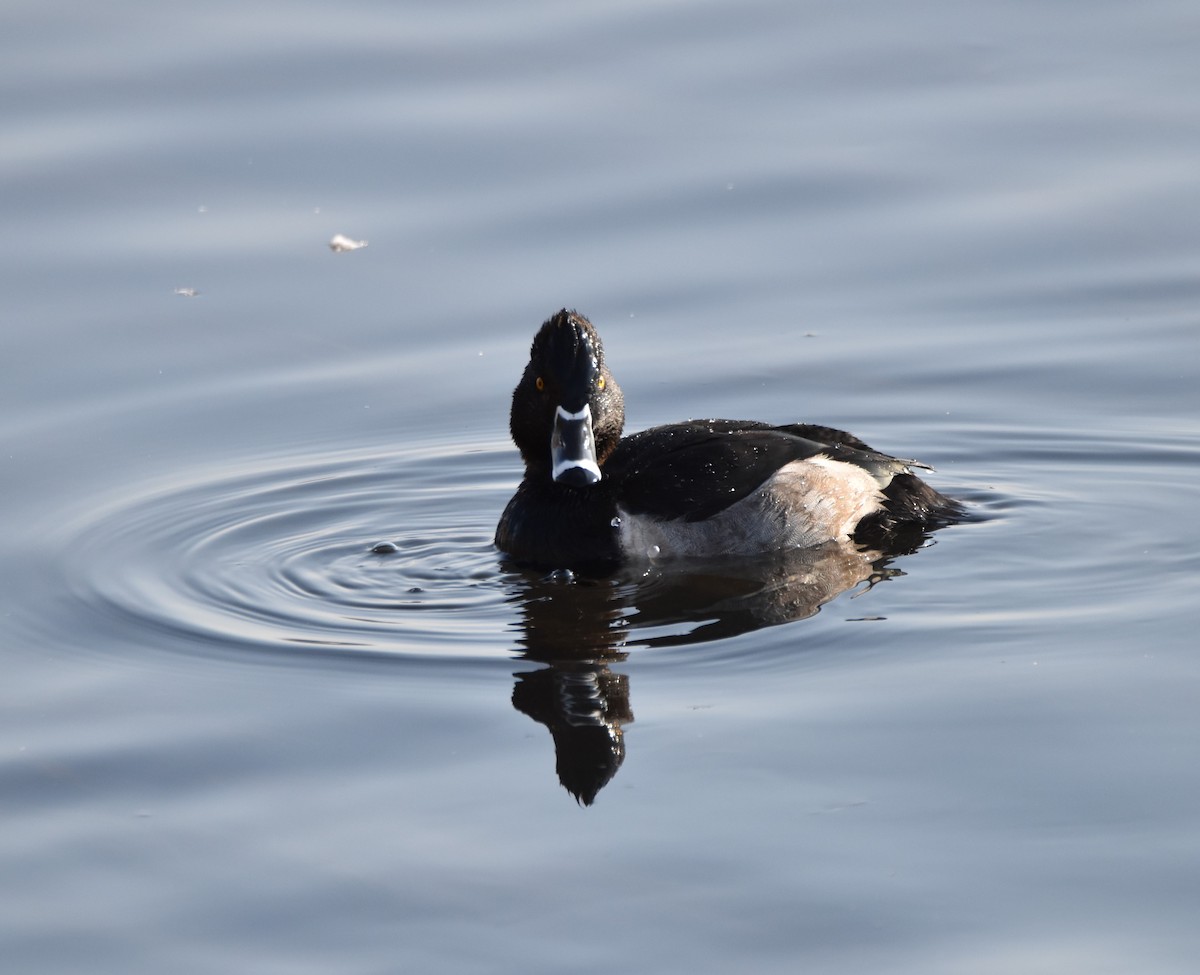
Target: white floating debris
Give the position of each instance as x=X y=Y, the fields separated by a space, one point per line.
x=340 y=242
x=187 y=292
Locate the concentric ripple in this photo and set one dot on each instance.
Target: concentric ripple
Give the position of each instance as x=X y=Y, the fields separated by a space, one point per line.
x=355 y=551
x=368 y=553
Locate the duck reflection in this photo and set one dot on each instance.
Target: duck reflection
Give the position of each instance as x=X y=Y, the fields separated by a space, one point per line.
x=578 y=627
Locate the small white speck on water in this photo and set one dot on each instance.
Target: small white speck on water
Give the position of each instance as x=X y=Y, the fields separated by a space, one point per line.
x=340 y=243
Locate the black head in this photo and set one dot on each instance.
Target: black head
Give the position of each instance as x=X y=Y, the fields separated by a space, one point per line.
x=567 y=411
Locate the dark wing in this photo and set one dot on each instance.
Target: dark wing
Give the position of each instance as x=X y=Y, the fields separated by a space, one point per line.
x=829 y=435
x=694 y=470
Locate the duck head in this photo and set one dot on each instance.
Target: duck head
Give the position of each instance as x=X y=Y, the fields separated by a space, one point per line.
x=567 y=411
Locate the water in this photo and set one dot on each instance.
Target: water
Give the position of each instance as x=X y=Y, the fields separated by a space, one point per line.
x=235 y=736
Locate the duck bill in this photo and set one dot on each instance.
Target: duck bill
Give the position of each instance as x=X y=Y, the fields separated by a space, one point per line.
x=573 y=448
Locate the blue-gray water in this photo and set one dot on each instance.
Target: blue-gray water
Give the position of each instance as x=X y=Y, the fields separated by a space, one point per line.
x=233 y=738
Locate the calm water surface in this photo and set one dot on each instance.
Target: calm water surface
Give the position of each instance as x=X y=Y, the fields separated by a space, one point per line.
x=272 y=702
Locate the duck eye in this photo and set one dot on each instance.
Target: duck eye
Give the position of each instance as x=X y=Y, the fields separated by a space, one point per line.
x=600 y=383
x=540 y=383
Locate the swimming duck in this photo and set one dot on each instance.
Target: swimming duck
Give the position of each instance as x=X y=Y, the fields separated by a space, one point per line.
x=698 y=488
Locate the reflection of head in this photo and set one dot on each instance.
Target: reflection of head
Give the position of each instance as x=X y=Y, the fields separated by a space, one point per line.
x=584 y=707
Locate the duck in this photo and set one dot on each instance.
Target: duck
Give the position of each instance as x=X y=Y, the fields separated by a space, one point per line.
x=593 y=498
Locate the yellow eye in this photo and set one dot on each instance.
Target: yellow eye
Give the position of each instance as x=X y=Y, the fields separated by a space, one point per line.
x=540 y=383
x=600 y=383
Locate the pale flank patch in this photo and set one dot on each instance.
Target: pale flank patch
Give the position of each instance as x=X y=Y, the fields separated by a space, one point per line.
x=805 y=503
